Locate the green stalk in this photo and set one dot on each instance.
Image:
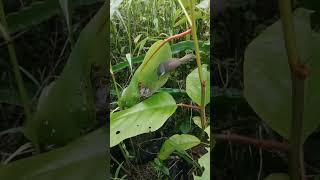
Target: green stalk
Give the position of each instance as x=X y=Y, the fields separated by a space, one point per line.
x=114 y=82
x=14 y=63
x=296 y=167
x=185 y=12
x=202 y=81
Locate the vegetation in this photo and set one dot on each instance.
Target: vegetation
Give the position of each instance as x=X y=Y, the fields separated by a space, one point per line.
x=154 y=116
x=278 y=50
x=52 y=86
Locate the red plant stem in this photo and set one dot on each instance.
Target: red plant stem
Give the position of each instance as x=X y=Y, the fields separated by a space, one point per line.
x=265 y=144
x=177 y=36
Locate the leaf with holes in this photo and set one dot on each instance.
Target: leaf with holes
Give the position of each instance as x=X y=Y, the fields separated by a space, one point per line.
x=267 y=80
x=147 y=116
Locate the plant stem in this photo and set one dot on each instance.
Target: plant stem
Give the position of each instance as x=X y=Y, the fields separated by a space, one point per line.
x=298 y=75
x=14 y=63
x=266 y=144
x=177 y=36
x=189 y=106
x=114 y=81
x=202 y=81
x=185 y=12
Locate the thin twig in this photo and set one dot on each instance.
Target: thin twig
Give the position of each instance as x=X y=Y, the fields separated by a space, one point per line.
x=265 y=144
x=189 y=106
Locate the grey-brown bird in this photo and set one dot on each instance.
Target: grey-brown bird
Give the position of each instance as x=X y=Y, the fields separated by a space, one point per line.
x=172 y=64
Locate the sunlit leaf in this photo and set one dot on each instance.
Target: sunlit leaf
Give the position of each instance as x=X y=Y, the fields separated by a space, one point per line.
x=193 y=85
x=177 y=142
x=144 y=117
x=146 y=75
x=204 y=162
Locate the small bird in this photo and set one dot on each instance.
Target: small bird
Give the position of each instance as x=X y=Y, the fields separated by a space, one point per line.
x=170 y=65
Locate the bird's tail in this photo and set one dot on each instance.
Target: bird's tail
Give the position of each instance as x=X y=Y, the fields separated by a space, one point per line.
x=186 y=58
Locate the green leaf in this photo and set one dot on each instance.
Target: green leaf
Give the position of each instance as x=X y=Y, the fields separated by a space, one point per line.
x=66 y=107
x=204 y=161
x=80 y=160
x=197 y=121
x=277 y=176
x=267 y=79
x=207 y=130
x=146 y=75
x=177 y=143
x=175 y=48
x=144 y=117
x=38 y=12
x=193 y=85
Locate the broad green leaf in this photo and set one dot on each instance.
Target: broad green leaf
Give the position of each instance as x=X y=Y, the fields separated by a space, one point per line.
x=147 y=116
x=175 y=48
x=193 y=85
x=38 y=12
x=277 y=176
x=176 y=143
x=66 y=109
x=267 y=80
x=80 y=160
x=204 y=162
x=145 y=77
